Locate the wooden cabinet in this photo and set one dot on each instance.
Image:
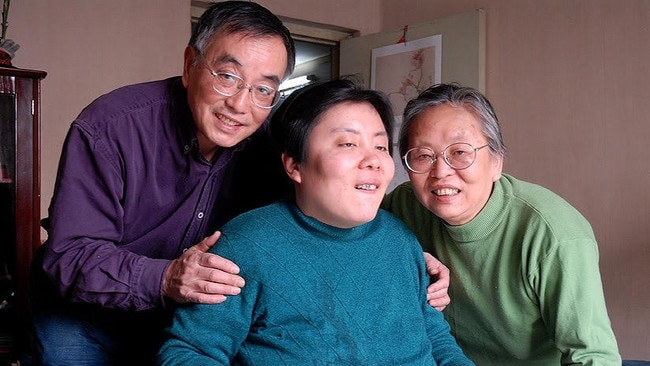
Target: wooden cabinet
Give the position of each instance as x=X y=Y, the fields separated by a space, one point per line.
x=20 y=186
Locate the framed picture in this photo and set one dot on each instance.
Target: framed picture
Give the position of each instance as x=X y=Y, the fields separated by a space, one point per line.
x=403 y=70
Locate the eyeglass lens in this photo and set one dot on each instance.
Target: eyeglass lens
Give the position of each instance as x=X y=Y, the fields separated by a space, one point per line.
x=458 y=156
x=229 y=84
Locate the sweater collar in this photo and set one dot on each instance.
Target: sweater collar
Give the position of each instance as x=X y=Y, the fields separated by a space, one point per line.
x=487 y=220
x=328 y=232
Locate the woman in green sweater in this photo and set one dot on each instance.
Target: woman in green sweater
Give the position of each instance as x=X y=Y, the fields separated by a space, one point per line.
x=525 y=287
x=330 y=278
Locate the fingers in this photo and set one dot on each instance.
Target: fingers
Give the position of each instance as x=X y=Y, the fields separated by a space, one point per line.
x=208 y=299
x=436 y=270
x=216 y=289
x=437 y=291
x=201 y=277
x=438 y=304
x=437 y=296
x=217 y=275
x=211 y=293
x=434 y=266
x=214 y=261
x=198 y=254
x=213 y=287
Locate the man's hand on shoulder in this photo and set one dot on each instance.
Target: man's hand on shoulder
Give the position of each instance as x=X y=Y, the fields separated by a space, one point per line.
x=202 y=277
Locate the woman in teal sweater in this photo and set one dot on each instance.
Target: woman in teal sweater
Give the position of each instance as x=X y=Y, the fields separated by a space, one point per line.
x=524 y=264
x=330 y=279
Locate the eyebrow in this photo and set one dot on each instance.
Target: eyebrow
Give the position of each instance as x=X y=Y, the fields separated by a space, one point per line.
x=229 y=59
x=355 y=131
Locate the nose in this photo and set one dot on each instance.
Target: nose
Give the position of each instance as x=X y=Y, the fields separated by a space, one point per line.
x=371 y=159
x=241 y=100
x=440 y=168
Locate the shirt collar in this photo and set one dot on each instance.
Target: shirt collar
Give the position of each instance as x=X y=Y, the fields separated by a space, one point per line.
x=181 y=115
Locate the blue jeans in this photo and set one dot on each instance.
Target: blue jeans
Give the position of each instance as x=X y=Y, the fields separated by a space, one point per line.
x=88 y=335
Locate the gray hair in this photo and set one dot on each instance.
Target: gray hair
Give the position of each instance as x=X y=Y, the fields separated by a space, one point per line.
x=457 y=96
x=241 y=16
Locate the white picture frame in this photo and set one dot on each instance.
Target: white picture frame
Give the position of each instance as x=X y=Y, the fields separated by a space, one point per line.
x=402 y=71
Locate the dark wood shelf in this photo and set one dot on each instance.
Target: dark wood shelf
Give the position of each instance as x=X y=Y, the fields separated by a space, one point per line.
x=20 y=185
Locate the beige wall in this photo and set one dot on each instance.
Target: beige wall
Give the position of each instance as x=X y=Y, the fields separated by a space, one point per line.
x=568 y=80
x=87 y=48
x=362 y=15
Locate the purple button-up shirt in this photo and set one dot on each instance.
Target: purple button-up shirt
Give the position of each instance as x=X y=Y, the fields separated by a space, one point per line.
x=132 y=192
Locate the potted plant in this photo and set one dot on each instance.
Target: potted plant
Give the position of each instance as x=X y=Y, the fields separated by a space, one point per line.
x=7 y=46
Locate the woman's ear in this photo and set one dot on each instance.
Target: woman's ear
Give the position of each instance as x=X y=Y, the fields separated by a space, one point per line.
x=497 y=167
x=292 y=167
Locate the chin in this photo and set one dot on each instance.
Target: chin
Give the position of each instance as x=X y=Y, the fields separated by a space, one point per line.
x=443 y=214
x=366 y=218
x=227 y=140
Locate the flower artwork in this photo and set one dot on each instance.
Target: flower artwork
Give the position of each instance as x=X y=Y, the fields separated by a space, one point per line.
x=405 y=69
x=414 y=82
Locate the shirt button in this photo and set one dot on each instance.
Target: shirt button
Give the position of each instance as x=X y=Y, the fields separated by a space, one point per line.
x=200 y=215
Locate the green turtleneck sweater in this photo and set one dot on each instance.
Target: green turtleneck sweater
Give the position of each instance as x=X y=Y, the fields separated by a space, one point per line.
x=316 y=295
x=525 y=284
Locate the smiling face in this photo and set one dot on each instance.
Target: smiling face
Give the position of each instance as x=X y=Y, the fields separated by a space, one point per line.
x=225 y=121
x=455 y=196
x=347 y=167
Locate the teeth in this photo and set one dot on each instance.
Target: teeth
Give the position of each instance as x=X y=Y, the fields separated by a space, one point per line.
x=446 y=191
x=227 y=120
x=367 y=187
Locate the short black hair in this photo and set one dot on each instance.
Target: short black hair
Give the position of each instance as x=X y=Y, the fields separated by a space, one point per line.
x=296 y=117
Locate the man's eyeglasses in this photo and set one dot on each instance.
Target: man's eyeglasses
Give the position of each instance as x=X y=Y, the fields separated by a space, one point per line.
x=458 y=156
x=228 y=84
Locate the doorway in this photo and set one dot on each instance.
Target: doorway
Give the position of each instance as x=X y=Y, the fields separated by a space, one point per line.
x=314 y=62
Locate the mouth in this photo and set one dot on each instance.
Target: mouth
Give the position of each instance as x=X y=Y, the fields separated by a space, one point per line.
x=227 y=121
x=366 y=187
x=445 y=191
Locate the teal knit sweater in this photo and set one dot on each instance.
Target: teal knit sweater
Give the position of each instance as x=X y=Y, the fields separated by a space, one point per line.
x=316 y=295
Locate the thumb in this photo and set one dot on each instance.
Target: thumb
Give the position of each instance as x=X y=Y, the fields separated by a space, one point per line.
x=208 y=242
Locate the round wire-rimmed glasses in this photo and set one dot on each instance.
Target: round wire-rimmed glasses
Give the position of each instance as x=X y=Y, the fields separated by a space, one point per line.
x=228 y=85
x=458 y=156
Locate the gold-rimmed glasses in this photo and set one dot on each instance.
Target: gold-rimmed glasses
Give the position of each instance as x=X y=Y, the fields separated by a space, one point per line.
x=227 y=84
x=458 y=156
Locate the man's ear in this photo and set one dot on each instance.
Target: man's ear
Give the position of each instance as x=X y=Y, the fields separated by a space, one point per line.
x=292 y=167
x=188 y=63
